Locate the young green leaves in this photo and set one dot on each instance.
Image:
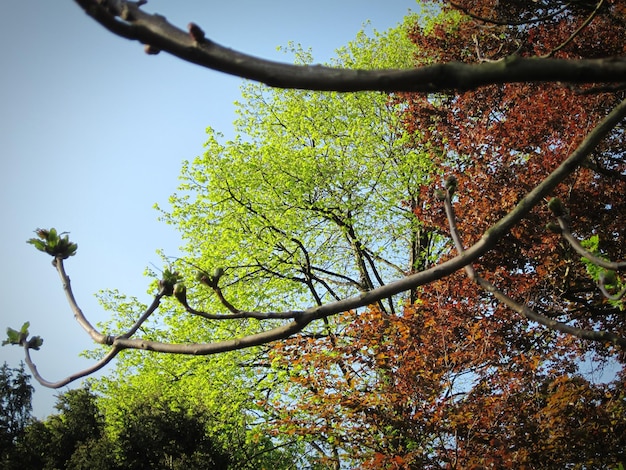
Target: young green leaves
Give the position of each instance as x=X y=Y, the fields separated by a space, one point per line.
x=53 y=243
x=21 y=338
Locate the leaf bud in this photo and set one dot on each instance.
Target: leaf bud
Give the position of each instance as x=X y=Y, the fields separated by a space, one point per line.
x=608 y=277
x=450 y=184
x=439 y=195
x=217 y=274
x=552 y=227
x=195 y=32
x=204 y=278
x=35 y=343
x=556 y=207
x=180 y=292
x=151 y=50
x=166 y=287
x=42 y=233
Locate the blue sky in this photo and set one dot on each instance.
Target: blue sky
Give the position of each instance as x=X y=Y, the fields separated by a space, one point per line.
x=93 y=133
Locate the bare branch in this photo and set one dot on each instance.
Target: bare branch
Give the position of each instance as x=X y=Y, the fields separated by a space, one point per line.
x=578 y=30
x=464 y=258
x=78 y=313
x=78 y=375
x=242 y=314
x=127 y=20
x=603 y=336
x=538 y=19
x=575 y=244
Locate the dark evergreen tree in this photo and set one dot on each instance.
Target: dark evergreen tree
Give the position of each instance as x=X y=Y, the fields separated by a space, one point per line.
x=15 y=407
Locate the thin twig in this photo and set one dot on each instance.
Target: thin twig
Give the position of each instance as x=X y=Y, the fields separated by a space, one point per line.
x=575 y=33
x=524 y=310
x=575 y=244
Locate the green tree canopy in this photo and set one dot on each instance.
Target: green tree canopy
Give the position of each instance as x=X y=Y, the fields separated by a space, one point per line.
x=313 y=198
x=311 y=201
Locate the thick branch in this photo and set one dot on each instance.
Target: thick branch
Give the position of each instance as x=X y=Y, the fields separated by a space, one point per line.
x=127 y=20
x=487 y=242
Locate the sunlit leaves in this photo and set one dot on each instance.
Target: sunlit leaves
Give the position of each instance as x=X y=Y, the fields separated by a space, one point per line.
x=310 y=185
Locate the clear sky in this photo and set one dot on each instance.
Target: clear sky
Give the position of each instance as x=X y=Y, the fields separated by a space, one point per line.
x=93 y=133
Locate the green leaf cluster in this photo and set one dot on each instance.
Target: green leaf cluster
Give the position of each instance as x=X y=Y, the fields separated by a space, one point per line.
x=53 y=243
x=169 y=281
x=21 y=338
x=610 y=278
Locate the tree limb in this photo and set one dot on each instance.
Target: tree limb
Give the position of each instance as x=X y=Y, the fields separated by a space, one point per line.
x=127 y=20
x=463 y=259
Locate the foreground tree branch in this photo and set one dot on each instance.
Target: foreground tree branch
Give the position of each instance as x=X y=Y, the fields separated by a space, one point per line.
x=126 y=19
x=168 y=285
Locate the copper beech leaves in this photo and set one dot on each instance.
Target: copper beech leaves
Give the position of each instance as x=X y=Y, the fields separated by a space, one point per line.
x=457 y=380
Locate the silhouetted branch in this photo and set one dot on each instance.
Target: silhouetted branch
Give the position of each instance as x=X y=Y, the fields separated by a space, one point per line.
x=578 y=30
x=484 y=19
x=127 y=20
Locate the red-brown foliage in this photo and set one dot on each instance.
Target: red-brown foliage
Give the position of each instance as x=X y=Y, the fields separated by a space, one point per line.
x=458 y=380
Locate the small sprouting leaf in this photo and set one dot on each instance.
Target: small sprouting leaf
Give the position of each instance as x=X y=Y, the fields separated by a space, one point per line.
x=42 y=233
x=13 y=337
x=52 y=234
x=41 y=246
x=16 y=337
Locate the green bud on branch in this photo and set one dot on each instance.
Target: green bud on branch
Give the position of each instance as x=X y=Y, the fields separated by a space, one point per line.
x=450 y=184
x=217 y=274
x=168 y=281
x=440 y=195
x=608 y=277
x=180 y=292
x=556 y=207
x=53 y=243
